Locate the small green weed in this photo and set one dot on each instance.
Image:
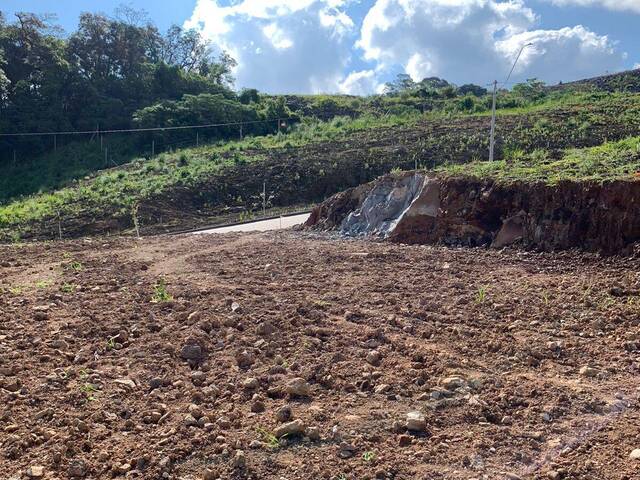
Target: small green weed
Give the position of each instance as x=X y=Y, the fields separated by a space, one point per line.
x=481 y=295
x=160 y=293
x=76 y=266
x=89 y=389
x=368 y=456
x=269 y=438
x=68 y=288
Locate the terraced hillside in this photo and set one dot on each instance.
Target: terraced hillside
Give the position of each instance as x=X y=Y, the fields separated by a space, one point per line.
x=312 y=161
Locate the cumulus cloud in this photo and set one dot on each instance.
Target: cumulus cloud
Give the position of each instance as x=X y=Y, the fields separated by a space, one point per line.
x=282 y=46
x=477 y=40
x=300 y=46
x=620 y=5
x=360 y=83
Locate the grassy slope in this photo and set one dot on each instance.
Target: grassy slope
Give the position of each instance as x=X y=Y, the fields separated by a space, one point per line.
x=530 y=136
x=609 y=161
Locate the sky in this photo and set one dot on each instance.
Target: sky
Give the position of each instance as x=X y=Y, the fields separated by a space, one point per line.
x=355 y=46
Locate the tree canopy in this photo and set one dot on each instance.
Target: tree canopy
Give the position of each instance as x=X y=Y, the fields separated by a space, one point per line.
x=99 y=75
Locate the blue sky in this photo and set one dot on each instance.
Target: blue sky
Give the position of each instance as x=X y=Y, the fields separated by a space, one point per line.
x=354 y=46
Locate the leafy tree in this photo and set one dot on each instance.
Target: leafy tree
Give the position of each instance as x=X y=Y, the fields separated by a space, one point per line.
x=108 y=49
x=532 y=90
x=470 y=88
x=434 y=83
x=402 y=83
x=186 y=49
x=447 y=92
x=249 y=95
x=4 y=81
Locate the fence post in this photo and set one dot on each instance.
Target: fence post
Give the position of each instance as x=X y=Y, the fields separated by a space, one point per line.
x=153 y=148
x=59 y=226
x=240 y=131
x=264 y=198
x=197 y=139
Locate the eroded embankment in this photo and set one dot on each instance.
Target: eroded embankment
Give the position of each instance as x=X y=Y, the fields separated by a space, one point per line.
x=416 y=208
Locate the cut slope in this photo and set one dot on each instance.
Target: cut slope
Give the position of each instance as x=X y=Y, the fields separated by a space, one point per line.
x=415 y=208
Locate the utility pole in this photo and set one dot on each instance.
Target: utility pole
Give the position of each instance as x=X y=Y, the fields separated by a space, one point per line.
x=492 y=140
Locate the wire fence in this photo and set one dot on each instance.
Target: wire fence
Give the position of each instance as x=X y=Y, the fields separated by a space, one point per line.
x=116 y=146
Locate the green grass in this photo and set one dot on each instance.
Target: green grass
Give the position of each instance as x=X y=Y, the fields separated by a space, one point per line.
x=160 y=292
x=116 y=193
x=610 y=161
x=118 y=190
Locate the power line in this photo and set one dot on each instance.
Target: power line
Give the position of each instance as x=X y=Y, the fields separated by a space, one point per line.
x=134 y=130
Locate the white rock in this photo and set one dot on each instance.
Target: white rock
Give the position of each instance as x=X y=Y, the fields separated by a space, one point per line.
x=416 y=422
x=298 y=387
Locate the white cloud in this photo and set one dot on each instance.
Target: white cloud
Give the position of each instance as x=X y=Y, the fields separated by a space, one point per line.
x=620 y=5
x=300 y=46
x=277 y=37
x=282 y=46
x=637 y=65
x=556 y=54
x=477 y=41
x=359 y=83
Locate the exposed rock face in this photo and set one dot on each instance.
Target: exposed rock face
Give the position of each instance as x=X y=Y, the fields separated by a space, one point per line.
x=414 y=208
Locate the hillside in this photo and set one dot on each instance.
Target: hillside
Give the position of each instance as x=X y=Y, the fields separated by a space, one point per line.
x=313 y=159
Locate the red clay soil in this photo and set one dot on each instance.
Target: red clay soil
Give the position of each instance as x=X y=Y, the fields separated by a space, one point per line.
x=519 y=365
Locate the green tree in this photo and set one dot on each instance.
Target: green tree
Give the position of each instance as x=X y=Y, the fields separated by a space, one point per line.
x=402 y=83
x=532 y=90
x=470 y=88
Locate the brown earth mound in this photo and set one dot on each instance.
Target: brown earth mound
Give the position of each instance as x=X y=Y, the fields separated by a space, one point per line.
x=414 y=208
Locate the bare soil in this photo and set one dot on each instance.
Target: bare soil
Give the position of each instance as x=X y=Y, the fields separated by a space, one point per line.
x=524 y=365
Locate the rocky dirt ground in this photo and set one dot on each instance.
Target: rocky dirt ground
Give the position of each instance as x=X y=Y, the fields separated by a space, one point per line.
x=297 y=356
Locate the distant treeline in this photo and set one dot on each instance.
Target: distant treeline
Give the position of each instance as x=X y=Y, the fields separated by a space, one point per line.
x=114 y=73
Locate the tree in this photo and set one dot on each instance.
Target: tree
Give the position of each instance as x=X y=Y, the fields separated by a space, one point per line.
x=221 y=72
x=249 y=95
x=186 y=49
x=107 y=49
x=470 y=88
x=434 y=83
x=532 y=90
x=4 y=81
x=402 y=83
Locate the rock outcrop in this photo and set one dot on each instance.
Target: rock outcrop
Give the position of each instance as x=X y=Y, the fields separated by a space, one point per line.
x=413 y=207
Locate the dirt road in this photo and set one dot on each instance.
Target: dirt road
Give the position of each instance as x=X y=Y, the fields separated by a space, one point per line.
x=284 y=356
x=262 y=225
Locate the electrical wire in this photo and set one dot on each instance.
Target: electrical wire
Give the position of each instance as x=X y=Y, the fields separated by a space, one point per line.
x=134 y=130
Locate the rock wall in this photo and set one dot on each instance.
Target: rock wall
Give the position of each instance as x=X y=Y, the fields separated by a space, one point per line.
x=416 y=208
